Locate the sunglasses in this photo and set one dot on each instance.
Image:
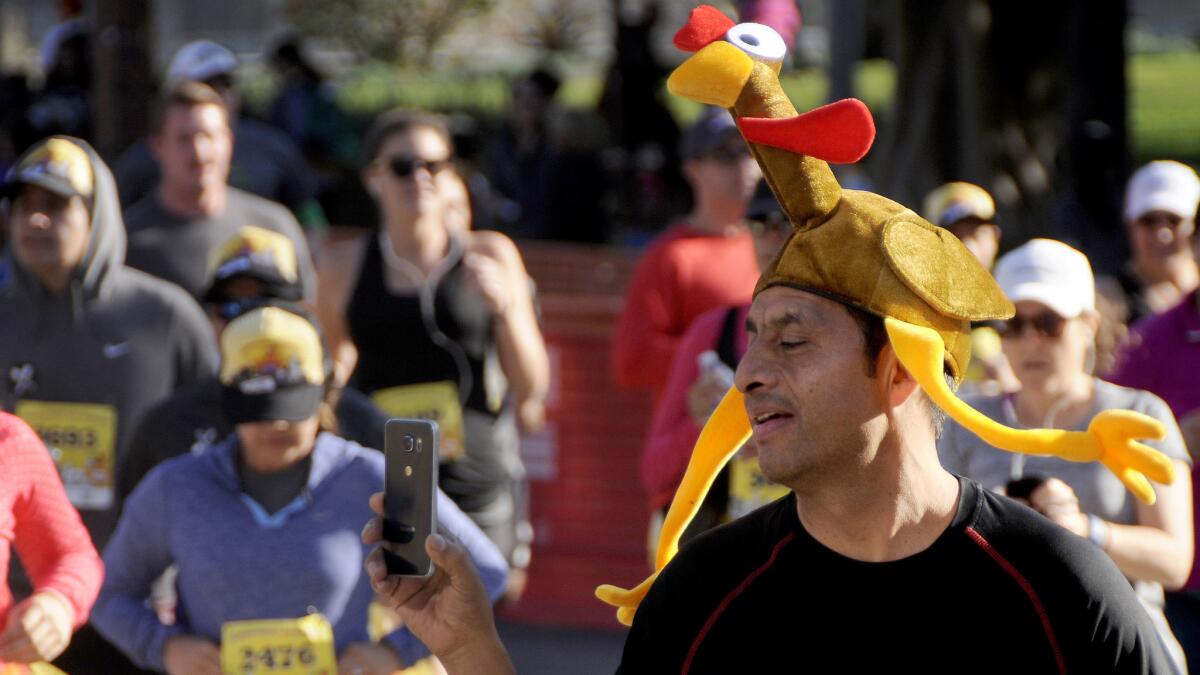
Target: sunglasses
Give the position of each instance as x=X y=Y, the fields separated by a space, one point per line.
x=1047 y=324
x=403 y=167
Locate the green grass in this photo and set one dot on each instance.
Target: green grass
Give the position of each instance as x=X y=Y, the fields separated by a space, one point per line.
x=1164 y=106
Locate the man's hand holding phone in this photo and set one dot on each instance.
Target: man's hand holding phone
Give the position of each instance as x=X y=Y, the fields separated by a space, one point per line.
x=449 y=610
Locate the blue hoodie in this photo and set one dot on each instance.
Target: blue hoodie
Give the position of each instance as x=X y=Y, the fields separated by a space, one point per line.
x=236 y=562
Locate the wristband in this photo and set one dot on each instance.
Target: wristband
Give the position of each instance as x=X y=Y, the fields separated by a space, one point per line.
x=1098 y=531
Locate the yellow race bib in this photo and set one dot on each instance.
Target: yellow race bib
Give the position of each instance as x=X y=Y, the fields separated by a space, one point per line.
x=749 y=488
x=437 y=401
x=82 y=439
x=301 y=646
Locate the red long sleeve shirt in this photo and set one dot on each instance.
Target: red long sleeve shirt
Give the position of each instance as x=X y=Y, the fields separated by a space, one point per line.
x=36 y=517
x=683 y=274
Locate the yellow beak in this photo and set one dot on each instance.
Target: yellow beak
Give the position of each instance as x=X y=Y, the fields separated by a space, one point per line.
x=714 y=75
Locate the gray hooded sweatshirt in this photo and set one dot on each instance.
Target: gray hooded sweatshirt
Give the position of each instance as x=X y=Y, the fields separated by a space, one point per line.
x=82 y=367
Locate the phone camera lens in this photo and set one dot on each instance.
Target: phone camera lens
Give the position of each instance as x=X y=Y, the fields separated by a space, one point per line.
x=408 y=443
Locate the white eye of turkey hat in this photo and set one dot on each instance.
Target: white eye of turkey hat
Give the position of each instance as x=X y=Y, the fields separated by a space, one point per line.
x=760 y=42
x=1049 y=272
x=1163 y=185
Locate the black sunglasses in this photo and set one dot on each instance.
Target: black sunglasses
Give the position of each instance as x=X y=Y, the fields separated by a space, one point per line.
x=1047 y=324
x=403 y=167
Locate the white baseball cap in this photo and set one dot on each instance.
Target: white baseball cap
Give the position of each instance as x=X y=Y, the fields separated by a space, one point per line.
x=1163 y=185
x=201 y=60
x=1049 y=272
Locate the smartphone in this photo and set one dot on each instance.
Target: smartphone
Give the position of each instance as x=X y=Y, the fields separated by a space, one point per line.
x=409 y=495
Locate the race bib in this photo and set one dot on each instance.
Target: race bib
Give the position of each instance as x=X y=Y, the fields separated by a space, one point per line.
x=437 y=401
x=749 y=488
x=301 y=646
x=82 y=439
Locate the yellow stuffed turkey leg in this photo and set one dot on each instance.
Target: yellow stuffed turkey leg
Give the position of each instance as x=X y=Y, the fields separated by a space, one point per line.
x=727 y=429
x=1109 y=438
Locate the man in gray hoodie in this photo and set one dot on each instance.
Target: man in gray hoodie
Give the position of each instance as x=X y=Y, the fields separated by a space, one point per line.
x=87 y=344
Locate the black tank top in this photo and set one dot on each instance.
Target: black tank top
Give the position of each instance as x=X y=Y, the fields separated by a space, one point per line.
x=397 y=346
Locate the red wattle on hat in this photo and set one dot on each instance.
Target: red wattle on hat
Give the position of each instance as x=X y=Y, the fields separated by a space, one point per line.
x=840 y=133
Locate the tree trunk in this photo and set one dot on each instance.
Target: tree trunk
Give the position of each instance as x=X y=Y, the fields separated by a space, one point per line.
x=121 y=83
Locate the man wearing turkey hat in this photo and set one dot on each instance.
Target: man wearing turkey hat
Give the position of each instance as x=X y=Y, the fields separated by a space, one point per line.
x=878 y=559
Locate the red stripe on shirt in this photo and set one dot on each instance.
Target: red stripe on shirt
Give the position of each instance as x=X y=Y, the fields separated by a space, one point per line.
x=1028 y=588
x=712 y=619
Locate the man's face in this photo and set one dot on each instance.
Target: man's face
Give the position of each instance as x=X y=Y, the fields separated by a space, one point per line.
x=1157 y=236
x=814 y=410
x=49 y=232
x=729 y=174
x=194 y=147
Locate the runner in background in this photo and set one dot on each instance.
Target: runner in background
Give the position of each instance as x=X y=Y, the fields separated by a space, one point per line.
x=175 y=229
x=968 y=211
x=87 y=344
x=1049 y=343
x=705 y=260
x=1164 y=358
x=434 y=320
x=289 y=492
x=265 y=162
x=1160 y=220
x=38 y=521
x=254 y=267
x=701 y=373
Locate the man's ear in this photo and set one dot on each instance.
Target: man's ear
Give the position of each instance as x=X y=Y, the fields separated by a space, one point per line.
x=897 y=382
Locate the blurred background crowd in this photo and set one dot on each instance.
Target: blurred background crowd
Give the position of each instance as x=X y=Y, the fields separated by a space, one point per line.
x=494 y=214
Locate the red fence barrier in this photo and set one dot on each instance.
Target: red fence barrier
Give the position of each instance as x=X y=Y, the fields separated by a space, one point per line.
x=587 y=506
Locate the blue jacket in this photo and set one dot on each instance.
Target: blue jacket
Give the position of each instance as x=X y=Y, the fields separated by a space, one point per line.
x=236 y=562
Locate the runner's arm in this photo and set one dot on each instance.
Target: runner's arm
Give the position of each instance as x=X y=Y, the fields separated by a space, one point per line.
x=522 y=349
x=338 y=266
x=136 y=555
x=1160 y=547
x=49 y=536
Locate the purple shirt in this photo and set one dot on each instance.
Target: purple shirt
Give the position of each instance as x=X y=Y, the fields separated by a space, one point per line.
x=1164 y=358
